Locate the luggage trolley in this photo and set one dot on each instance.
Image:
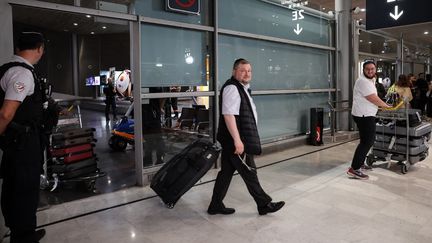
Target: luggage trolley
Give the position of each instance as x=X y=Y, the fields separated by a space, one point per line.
x=401 y=137
x=69 y=157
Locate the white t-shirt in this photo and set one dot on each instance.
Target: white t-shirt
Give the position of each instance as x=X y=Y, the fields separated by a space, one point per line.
x=361 y=106
x=231 y=101
x=17 y=82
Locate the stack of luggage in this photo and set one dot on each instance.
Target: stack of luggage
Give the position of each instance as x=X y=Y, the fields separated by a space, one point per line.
x=72 y=154
x=392 y=133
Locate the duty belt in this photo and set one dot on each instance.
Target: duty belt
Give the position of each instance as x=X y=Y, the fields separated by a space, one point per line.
x=19 y=128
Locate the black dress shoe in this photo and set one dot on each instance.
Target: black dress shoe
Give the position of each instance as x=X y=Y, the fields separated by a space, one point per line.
x=213 y=211
x=271 y=207
x=39 y=234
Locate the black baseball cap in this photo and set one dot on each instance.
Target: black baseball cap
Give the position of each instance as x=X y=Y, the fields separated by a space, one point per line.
x=29 y=40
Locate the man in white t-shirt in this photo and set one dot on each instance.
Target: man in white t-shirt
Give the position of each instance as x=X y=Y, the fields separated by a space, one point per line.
x=364 y=108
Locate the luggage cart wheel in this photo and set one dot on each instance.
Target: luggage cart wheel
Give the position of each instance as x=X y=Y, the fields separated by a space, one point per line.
x=169 y=205
x=404 y=168
x=370 y=160
x=90 y=185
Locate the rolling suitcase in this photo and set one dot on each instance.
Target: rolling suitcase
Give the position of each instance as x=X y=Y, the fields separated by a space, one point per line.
x=61 y=143
x=74 y=133
x=75 y=157
x=72 y=137
x=79 y=172
x=62 y=168
x=180 y=173
x=70 y=150
x=414 y=117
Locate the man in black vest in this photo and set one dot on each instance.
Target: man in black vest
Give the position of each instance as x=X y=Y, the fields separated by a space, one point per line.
x=238 y=135
x=21 y=102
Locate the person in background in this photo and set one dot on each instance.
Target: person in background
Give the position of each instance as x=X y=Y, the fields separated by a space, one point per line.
x=21 y=121
x=380 y=88
x=174 y=101
x=414 y=91
x=364 y=109
x=429 y=101
x=110 y=100
x=402 y=88
x=422 y=86
x=238 y=135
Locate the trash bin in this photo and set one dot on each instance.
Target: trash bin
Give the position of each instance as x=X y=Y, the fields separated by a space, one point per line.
x=316 y=126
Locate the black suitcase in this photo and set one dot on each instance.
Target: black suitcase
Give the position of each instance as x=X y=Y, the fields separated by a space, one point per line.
x=414 y=117
x=61 y=168
x=74 y=133
x=180 y=173
x=85 y=171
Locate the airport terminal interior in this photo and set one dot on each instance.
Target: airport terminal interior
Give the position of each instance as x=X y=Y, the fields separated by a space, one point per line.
x=167 y=60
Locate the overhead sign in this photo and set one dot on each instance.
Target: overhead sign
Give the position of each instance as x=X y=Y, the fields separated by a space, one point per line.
x=184 y=6
x=390 y=13
x=297 y=15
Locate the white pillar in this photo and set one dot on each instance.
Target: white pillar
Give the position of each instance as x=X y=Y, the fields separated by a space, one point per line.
x=344 y=75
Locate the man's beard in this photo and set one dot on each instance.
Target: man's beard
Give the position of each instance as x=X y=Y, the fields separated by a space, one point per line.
x=369 y=77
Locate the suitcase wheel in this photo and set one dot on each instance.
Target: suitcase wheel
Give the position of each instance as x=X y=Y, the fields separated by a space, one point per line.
x=169 y=205
x=370 y=160
x=404 y=169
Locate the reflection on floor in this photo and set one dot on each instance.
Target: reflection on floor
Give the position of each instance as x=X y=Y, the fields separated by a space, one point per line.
x=322 y=205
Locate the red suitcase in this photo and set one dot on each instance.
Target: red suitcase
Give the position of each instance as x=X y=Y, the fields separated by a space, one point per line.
x=70 y=150
x=72 y=158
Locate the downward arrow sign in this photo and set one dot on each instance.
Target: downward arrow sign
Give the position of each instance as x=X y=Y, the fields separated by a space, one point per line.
x=396 y=14
x=298 y=30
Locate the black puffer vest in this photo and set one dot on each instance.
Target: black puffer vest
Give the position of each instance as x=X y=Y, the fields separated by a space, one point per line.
x=30 y=111
x=246 y=123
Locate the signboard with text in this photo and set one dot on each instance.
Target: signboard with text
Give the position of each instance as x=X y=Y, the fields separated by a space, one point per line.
x=184 y=6
x=390 y=13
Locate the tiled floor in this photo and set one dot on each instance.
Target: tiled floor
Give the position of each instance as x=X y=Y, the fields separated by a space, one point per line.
x=322 y=205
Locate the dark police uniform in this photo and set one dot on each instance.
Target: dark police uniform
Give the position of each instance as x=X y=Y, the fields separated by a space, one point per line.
x=22 y=150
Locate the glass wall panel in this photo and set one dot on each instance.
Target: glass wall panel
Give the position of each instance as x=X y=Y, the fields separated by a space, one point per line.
x=280 y=115
x=171 y=56
x=260 y=17
x=157 y=9
x=166 y=132
x=274 y=65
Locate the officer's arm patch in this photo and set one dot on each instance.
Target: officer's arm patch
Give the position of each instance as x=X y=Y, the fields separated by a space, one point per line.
x=19 y=87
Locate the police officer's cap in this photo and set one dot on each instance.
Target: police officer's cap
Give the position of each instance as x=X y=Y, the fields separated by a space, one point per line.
x=29 y=40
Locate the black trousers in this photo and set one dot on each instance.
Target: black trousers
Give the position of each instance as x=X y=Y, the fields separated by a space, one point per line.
x=367 y=127
x=229 y=164
x=21 y=167
x=153 y=142
x=110 y=102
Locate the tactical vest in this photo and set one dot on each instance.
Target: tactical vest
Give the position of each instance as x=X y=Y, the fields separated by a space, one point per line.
x=245 y=121
x=30 y=111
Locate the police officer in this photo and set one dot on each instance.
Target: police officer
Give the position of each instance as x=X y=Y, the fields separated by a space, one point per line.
x=21 y=102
